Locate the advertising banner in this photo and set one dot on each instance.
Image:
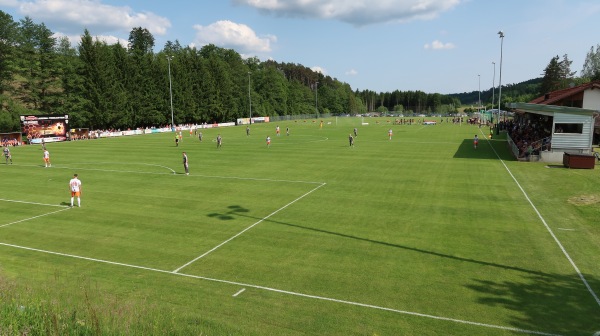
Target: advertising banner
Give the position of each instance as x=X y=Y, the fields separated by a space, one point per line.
x=49 y=128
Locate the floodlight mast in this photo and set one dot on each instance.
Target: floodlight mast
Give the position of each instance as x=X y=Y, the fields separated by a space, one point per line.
x=316 y=99
x=501 y=34
x=249 y=100
x=169 y=58
x=493 y=88
x=479 y=87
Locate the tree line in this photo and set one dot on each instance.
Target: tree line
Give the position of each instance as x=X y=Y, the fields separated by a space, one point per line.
x=104 y=86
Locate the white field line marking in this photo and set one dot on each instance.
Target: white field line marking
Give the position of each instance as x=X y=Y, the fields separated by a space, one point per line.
x=255 y=179
x=560 y=245
x=246 y=229
x=27 y=219
x=429 y=142
x=300 y=143
x=566 y=229
x=135 y=163
x=325 y=139
x=188 y=176
x=239 y=292
x=322 y=298
x=34 y=203
x=102 y=170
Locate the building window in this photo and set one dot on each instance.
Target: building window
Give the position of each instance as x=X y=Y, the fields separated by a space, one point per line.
x=568 y=128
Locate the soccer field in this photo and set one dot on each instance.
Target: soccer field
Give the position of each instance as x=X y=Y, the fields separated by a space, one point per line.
x=420 y=234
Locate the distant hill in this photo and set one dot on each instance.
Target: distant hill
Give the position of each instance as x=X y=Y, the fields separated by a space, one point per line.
x=521 y=92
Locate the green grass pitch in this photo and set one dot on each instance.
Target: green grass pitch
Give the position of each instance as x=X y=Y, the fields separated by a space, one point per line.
x=420 y=234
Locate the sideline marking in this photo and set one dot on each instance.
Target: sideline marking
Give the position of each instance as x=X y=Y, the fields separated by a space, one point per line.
x=246 y=229
x=281 y=291
x=567 y=229
x=560 y=245
x=27 y=219
x=239 y=292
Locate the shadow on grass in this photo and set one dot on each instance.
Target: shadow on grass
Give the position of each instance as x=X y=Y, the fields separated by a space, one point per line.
x=485 y=148
x=556 y=303
x=236 y=211
x=229 y=214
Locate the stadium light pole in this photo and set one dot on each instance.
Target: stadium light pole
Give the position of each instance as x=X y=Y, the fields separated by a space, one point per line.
x=501 y=34
x=493 y=88
x=169 y=58
x=249 y=100
x=316 y=99
x=479 y=87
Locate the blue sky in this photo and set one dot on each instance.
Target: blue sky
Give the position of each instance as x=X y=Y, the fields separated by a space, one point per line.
x=444 y=46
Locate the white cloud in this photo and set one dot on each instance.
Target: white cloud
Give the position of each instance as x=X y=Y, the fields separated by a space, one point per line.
x=9 y=3
x=351 y=72
x=437 y=45
x=319 y=69
x=109 y=39
x=70 y=15
x=356 y=12
x=233 y=35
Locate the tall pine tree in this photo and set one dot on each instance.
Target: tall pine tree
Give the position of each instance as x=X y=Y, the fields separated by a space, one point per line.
x=591 y=65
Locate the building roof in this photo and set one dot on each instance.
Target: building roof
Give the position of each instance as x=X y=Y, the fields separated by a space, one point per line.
x=555 y=97
x=549 y=109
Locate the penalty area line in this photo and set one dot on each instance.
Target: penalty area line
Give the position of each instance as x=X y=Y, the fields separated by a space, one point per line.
x=275 y=290
x=33 y=203
x=34 y=217
x=130 y=163
x=107 y=170
x=173 y=172
x=246 y=229
x=254 y=179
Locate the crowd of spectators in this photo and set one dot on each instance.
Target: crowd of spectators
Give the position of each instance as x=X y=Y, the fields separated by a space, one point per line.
x=10 y=142
x=531 y=133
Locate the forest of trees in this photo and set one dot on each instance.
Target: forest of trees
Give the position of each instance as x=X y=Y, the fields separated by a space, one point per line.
x=105 y=86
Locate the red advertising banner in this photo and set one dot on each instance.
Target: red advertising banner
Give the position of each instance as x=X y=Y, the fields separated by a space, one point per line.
x=46 y=128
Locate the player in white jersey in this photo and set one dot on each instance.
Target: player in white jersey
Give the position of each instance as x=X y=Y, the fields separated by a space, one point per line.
x=75 y=187
x=47 y=159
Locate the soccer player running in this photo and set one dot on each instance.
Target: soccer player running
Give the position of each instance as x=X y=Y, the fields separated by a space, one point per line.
x=7 y=155
x=475 y=141
x=268 y=141
x=219 y=141
x=351 y=140
x=75 y=187
x=185 y=164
